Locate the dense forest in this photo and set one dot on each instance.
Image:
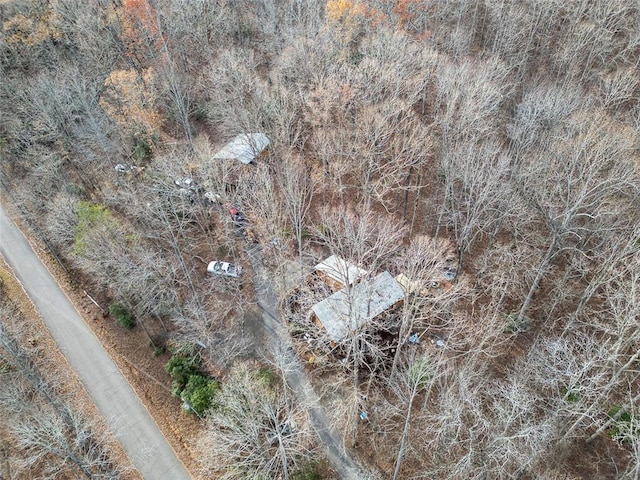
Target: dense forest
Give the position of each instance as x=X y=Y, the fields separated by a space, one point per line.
x=485 y=150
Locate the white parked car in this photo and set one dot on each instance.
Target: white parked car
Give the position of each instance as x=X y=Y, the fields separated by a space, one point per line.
x=224 y=268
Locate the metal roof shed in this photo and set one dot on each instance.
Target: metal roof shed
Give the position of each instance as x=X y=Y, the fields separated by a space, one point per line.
x=338 y=272
x=409 y=286
x=246 y=148
x=342 y=313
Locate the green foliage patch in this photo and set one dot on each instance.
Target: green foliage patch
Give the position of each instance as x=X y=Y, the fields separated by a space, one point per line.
x=267 y=376
x=180 y=368
x=196 y=390
x=199 y=392
x=159 y=350
x=308 y=471
x=90 y=216
x=142 y=147
x=569 y=394
x=419 y=373
x=625 y=427
x=124 y=317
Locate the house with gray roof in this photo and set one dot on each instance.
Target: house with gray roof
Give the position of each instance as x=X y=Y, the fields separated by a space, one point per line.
x=348 y=310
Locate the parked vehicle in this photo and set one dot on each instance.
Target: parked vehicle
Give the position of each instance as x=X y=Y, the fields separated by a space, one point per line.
x=238 y=218
x=224 y=268
x=213 y=197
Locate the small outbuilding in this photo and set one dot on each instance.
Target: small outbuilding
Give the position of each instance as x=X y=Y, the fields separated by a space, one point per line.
x=339 y=273
x=246 y=148
x=344 y=312
x=409 y=285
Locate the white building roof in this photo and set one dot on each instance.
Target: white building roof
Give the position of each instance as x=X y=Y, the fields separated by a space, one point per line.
x=342 y=313
x=340 y=270
x=245 y=147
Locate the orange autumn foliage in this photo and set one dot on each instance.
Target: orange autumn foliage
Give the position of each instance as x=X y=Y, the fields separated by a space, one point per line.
x=129 y=98
x=31 y=30
x=140 y=30
x=407 y=11
x=400 y=14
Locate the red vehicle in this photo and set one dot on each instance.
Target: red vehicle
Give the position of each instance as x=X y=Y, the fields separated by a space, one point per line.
x=238 y=218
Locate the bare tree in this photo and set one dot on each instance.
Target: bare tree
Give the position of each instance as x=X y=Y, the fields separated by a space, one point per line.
x=476 y=189
x=256 y=430
x=414 y=380
x=428 y=295
x=297 y=186
x=595 y=183
x=50 y=434
x=364 y=238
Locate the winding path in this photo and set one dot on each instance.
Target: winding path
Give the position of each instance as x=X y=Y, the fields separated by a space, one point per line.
x=295 y=375
x=126 y=416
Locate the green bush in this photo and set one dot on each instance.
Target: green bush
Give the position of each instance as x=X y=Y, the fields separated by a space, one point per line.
x=180 y=368
x=141 y=148
x=159 y=350
x=569 y=394
x=122 y=315
x=308 y=471
x=199 y=392
x=194 y=389
x=623 y=427
x=625 y=417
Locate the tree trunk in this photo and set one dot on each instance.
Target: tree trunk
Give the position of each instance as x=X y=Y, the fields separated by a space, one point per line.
x=356 y=384
x=542 y=270
x=403 y=438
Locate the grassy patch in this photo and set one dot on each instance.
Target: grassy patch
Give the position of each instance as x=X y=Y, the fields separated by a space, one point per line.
x=90 y=216
x=124 y=317
x=569 y=394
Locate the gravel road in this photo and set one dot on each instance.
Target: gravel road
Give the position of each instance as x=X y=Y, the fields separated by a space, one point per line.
x=126 y=416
